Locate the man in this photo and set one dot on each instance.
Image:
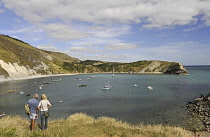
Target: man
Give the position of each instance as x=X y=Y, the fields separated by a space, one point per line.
x=33 y=104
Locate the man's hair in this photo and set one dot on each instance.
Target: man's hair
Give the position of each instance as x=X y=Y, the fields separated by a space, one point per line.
x=35 y=96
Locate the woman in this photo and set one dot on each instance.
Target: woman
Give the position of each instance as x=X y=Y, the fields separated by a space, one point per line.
x=44 y=104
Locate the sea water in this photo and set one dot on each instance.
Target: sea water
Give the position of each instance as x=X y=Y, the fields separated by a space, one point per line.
x=164 y=104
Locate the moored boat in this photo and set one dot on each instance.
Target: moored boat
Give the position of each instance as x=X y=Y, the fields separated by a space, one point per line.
x=2 y=114
x=82 y=85
x=107 y=86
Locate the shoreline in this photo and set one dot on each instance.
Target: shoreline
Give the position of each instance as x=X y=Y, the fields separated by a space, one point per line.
x=33 y=77
x=53 y=75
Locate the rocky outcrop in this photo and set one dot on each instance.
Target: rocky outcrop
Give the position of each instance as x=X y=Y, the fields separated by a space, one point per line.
x=162 y=67
x=199 y=111
x=176 y=68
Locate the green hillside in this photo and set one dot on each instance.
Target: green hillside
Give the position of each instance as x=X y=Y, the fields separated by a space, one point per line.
x=15 y=53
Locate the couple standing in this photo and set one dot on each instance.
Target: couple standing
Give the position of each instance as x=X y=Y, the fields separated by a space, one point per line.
x=35 y=106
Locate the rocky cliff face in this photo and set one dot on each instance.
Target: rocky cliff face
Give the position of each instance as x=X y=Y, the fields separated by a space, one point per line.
x=19 y=59
x=159 y=67
x=14 y=70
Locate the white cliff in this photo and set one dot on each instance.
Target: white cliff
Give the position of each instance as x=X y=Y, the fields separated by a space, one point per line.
x=15 y=70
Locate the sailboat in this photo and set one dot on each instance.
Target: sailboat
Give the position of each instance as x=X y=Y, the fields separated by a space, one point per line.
x=113 y=72
x=135 y=85
x=106 y=86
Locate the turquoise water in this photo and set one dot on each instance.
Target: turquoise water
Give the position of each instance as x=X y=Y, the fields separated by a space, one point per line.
x=164 y=104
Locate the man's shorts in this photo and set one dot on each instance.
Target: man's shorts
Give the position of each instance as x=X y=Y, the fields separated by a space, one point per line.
x=33 y=116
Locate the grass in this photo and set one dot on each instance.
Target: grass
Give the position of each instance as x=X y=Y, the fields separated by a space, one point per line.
x=82 y=125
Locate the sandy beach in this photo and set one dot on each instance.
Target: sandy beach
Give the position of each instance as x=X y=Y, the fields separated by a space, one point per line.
x=32 y=77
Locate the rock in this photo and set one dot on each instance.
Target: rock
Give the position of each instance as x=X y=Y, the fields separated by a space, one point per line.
x=199 y=110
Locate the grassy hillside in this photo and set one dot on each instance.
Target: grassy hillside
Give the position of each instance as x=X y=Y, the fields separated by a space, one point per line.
x=82 y=125
x=16 y=51
x=47 y=62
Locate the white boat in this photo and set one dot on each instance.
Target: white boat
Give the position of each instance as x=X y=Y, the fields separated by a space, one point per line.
x=56 y=80
x=113 y=72
x=22 y=92
x=107 y=86
x=149 y=87
x=40 y=87
x=60 y=101
x=2 y=114
x=135 y=85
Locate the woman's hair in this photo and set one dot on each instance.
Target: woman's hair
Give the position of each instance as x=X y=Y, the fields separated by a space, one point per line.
x=44 y=97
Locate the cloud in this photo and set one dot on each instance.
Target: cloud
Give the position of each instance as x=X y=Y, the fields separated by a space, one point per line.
x=27 y=30
x=184 y=52
x=48 y=47
x=121 y=46
x=63 y=32
x=90 y=27
x=85 y=49
x=97 y=56
x=112 y=31
x=154 y=13
x=2 y=10
x=109 y=35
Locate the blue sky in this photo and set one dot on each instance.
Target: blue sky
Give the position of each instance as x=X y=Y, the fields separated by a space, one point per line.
x=113 y=30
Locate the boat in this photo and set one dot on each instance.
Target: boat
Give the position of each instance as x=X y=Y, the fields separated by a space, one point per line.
x=56 y=80
x=135 y=85
x=11 y=91
x=40 y=87
x=149 y=87
x=60 y=101
x=106 y=86
x=22 y=92
x=113 y=72
x=28 y=94
x=77 y=79
x=2 y=114
x=82 y=85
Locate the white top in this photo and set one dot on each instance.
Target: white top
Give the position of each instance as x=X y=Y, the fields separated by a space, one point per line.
x=44 y=104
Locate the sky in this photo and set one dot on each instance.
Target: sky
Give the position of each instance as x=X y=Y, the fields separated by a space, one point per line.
x=113 y=30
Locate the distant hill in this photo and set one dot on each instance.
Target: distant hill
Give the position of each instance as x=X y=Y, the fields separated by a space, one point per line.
x=19 y=59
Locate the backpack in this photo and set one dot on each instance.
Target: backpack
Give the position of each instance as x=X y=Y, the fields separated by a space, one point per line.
x=27 y=109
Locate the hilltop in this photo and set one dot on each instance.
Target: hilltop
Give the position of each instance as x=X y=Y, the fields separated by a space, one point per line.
x=19 y=59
